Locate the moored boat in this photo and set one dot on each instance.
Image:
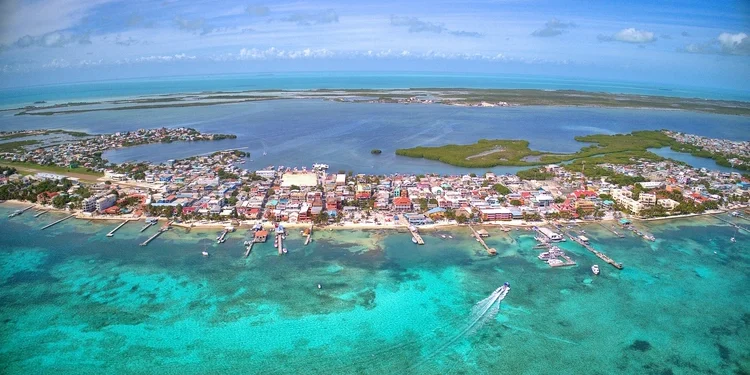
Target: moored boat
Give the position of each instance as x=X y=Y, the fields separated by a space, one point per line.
x=595 y=269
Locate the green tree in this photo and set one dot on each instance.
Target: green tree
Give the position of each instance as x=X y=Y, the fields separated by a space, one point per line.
x=515 y=202
x=501 y=189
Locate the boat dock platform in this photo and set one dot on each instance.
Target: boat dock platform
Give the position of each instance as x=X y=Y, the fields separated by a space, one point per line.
x=490 y=250
x=40 y=213
x=14 y=214
x=419 y=240
x=599 y=254
x=161 y=230
x=248 y=247
x=280 y=243
x=149 y=223
x=612 y=229
x=223 y=236
x=58 y=221
x=112 y=232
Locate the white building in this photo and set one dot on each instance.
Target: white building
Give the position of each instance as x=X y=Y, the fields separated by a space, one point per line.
x=104 y=203
x=89 y=204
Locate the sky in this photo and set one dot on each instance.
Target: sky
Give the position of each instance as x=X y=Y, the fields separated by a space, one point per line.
x=692 y=43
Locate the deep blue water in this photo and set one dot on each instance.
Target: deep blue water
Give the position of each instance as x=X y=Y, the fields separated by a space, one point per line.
x=10 y=97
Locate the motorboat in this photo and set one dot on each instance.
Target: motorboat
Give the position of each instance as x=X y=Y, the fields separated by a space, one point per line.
x=733 y=239
x=205 y=253
x=284 y=250
x=414 y=240
x=442 y=235
x=595 y=269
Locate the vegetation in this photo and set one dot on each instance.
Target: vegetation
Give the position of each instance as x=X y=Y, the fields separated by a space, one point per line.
x=535 y=174
x=49 y=168
x=16 y=145
x=501 y=189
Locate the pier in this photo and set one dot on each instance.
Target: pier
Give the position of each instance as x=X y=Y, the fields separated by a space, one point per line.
x=280 y=243
x=57 y=222
x=612 y=229
x=417 y=238
x=161 y=230
x=490 y=250
x=112 y=232
x=248 y=247
x=149 y=223
x=18 y=212
x=223 y=236
x=740 y=227
x=40 y=213
x=599 y=254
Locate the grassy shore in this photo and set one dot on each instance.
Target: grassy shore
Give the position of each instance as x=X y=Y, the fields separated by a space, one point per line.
x=617 y=149
x=29 y=168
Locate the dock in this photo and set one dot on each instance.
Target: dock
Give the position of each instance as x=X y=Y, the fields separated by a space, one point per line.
x=40 y=213
x=739 y=227
x=161 y=230
x=280 y=243
x=18 y=212
x=223 y=236
x=149 y=223
x=599 y=254
x=248 y=247
x=417 y=238
x=57 y=222
x=612 y=229
x=490 y=250
x=112 y=232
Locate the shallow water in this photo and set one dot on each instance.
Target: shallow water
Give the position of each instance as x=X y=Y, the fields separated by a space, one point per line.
x=75 y=301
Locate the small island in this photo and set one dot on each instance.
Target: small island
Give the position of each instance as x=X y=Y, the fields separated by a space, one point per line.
x=376 y=151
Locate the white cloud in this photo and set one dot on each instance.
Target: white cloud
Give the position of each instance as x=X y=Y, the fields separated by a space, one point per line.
x=630 y=35
x=735 y=44
x=19 y=18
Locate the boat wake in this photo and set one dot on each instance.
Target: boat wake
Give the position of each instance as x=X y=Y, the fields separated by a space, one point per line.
x=482 y=312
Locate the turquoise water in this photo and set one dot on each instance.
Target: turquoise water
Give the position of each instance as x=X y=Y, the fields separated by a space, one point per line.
x=341 y=80
x=75 y=301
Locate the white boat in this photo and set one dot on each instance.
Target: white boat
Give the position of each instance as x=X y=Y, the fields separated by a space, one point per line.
x=449 y=236
x=265 y=153
x=733 y=239
x=205 y=253
x=284 y=250
x=413 y=240
x=320 y=166
x=442 y=235
x=595 y=269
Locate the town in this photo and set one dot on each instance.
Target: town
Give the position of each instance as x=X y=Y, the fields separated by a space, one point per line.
x=216 y=190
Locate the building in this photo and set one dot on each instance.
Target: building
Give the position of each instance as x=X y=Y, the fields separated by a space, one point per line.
x=647 y=199
x=494 y=214
x=552 y=236
x=585 y=205
x=402 y=204
x=266 y=173
x=104 y=203
x=89 y=204
x=669 y=204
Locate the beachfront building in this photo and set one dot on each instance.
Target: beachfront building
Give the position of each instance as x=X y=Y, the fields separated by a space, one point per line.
x=495 y=214
x=104 y=203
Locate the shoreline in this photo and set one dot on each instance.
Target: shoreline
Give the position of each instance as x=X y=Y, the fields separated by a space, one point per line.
x=351 y=226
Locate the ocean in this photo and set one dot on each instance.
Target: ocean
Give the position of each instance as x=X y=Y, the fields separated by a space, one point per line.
x=76 y=301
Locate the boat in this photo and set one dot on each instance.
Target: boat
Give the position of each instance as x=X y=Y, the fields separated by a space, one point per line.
x=319 y=286
x=733 y=239
x=442 y=235
x=205 y=253
x=595 y=269
x=265 y=153
x=449 y=236
x=320 y=166
x=284 y=250
x=414 y=240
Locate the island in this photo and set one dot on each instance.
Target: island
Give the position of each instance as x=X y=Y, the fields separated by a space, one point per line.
x=623 y=181
x=417 y=96
x=617 y=149
x=376 y=151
